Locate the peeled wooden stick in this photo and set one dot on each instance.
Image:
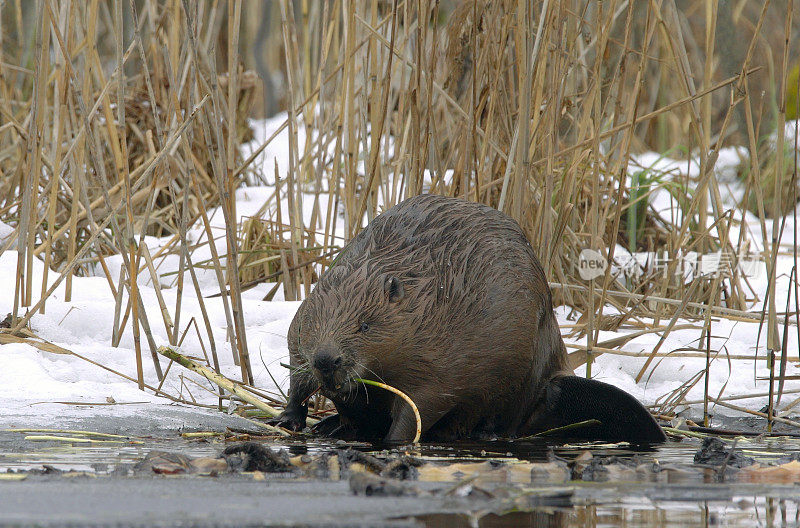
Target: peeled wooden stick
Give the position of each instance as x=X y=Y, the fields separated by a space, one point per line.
x=66 y=431
x=402 y=395
x=73 y=439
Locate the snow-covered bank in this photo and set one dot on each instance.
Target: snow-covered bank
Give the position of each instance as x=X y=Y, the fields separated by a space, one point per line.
x=84 y=325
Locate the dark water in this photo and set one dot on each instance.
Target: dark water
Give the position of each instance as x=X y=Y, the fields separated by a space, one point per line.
x=696 y=499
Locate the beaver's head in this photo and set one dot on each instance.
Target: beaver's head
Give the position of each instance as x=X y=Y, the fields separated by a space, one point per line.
x=349 y=326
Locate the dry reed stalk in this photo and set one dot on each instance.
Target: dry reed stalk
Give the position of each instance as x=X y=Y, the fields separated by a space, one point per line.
x=22 y=286
x=616 y=168
x=124 y=169
x=293 y=194
x=773 y=338
x=739 y=397
x=380 y=101
x=223 y=180
x=185 y=257
x=169 y=326
x=577 y=361
x=786 y=421
x=719 y=311
x=229 y=195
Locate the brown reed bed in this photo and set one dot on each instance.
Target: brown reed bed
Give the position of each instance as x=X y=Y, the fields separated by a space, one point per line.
x=121 y=119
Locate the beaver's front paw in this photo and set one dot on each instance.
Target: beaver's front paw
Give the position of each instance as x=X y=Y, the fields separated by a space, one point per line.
x=327 y=426
x=289 y=419
x=334 y=426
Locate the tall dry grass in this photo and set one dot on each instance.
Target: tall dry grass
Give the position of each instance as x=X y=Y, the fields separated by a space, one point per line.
x=121 y=119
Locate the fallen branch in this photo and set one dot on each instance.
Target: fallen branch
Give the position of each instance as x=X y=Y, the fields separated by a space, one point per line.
x=223 y=382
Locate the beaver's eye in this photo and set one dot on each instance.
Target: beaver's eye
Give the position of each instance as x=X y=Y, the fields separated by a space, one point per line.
x=364 y=327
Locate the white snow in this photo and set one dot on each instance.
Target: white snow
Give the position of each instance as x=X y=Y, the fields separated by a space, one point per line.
x=31 y=381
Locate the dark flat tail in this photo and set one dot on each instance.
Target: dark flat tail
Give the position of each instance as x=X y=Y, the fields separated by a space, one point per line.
x=570 y=400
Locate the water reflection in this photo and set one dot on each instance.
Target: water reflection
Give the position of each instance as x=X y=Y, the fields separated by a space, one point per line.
x=740 y=512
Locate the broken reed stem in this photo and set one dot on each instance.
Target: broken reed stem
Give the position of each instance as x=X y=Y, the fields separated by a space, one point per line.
x=222 y=382
x=77 y=440
x=229 y=193
x=773 y=337
x=66 y=431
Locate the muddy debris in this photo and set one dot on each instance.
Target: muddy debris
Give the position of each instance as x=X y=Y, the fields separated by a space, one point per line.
x=166 y=463
x=398 y=466
x=374 y=486
x=714 y=452
x=390 y=466
x=252 y=456
x=396 y=472
x=590 y=468
x=46 y=469
x=468 y=489
x=603 y=469
x=779 y=473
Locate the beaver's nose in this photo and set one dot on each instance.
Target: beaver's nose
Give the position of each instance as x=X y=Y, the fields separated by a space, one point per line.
x=327 y=360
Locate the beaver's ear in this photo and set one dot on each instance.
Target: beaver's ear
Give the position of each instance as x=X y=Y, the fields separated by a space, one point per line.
x=393 y=289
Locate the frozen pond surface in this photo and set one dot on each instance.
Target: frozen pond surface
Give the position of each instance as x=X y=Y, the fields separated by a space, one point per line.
x=94 y=492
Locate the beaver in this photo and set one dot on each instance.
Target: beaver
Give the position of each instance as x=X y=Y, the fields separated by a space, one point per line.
x=445 y=300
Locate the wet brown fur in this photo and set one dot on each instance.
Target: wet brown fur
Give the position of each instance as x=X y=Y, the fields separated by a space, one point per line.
x=469 y=333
